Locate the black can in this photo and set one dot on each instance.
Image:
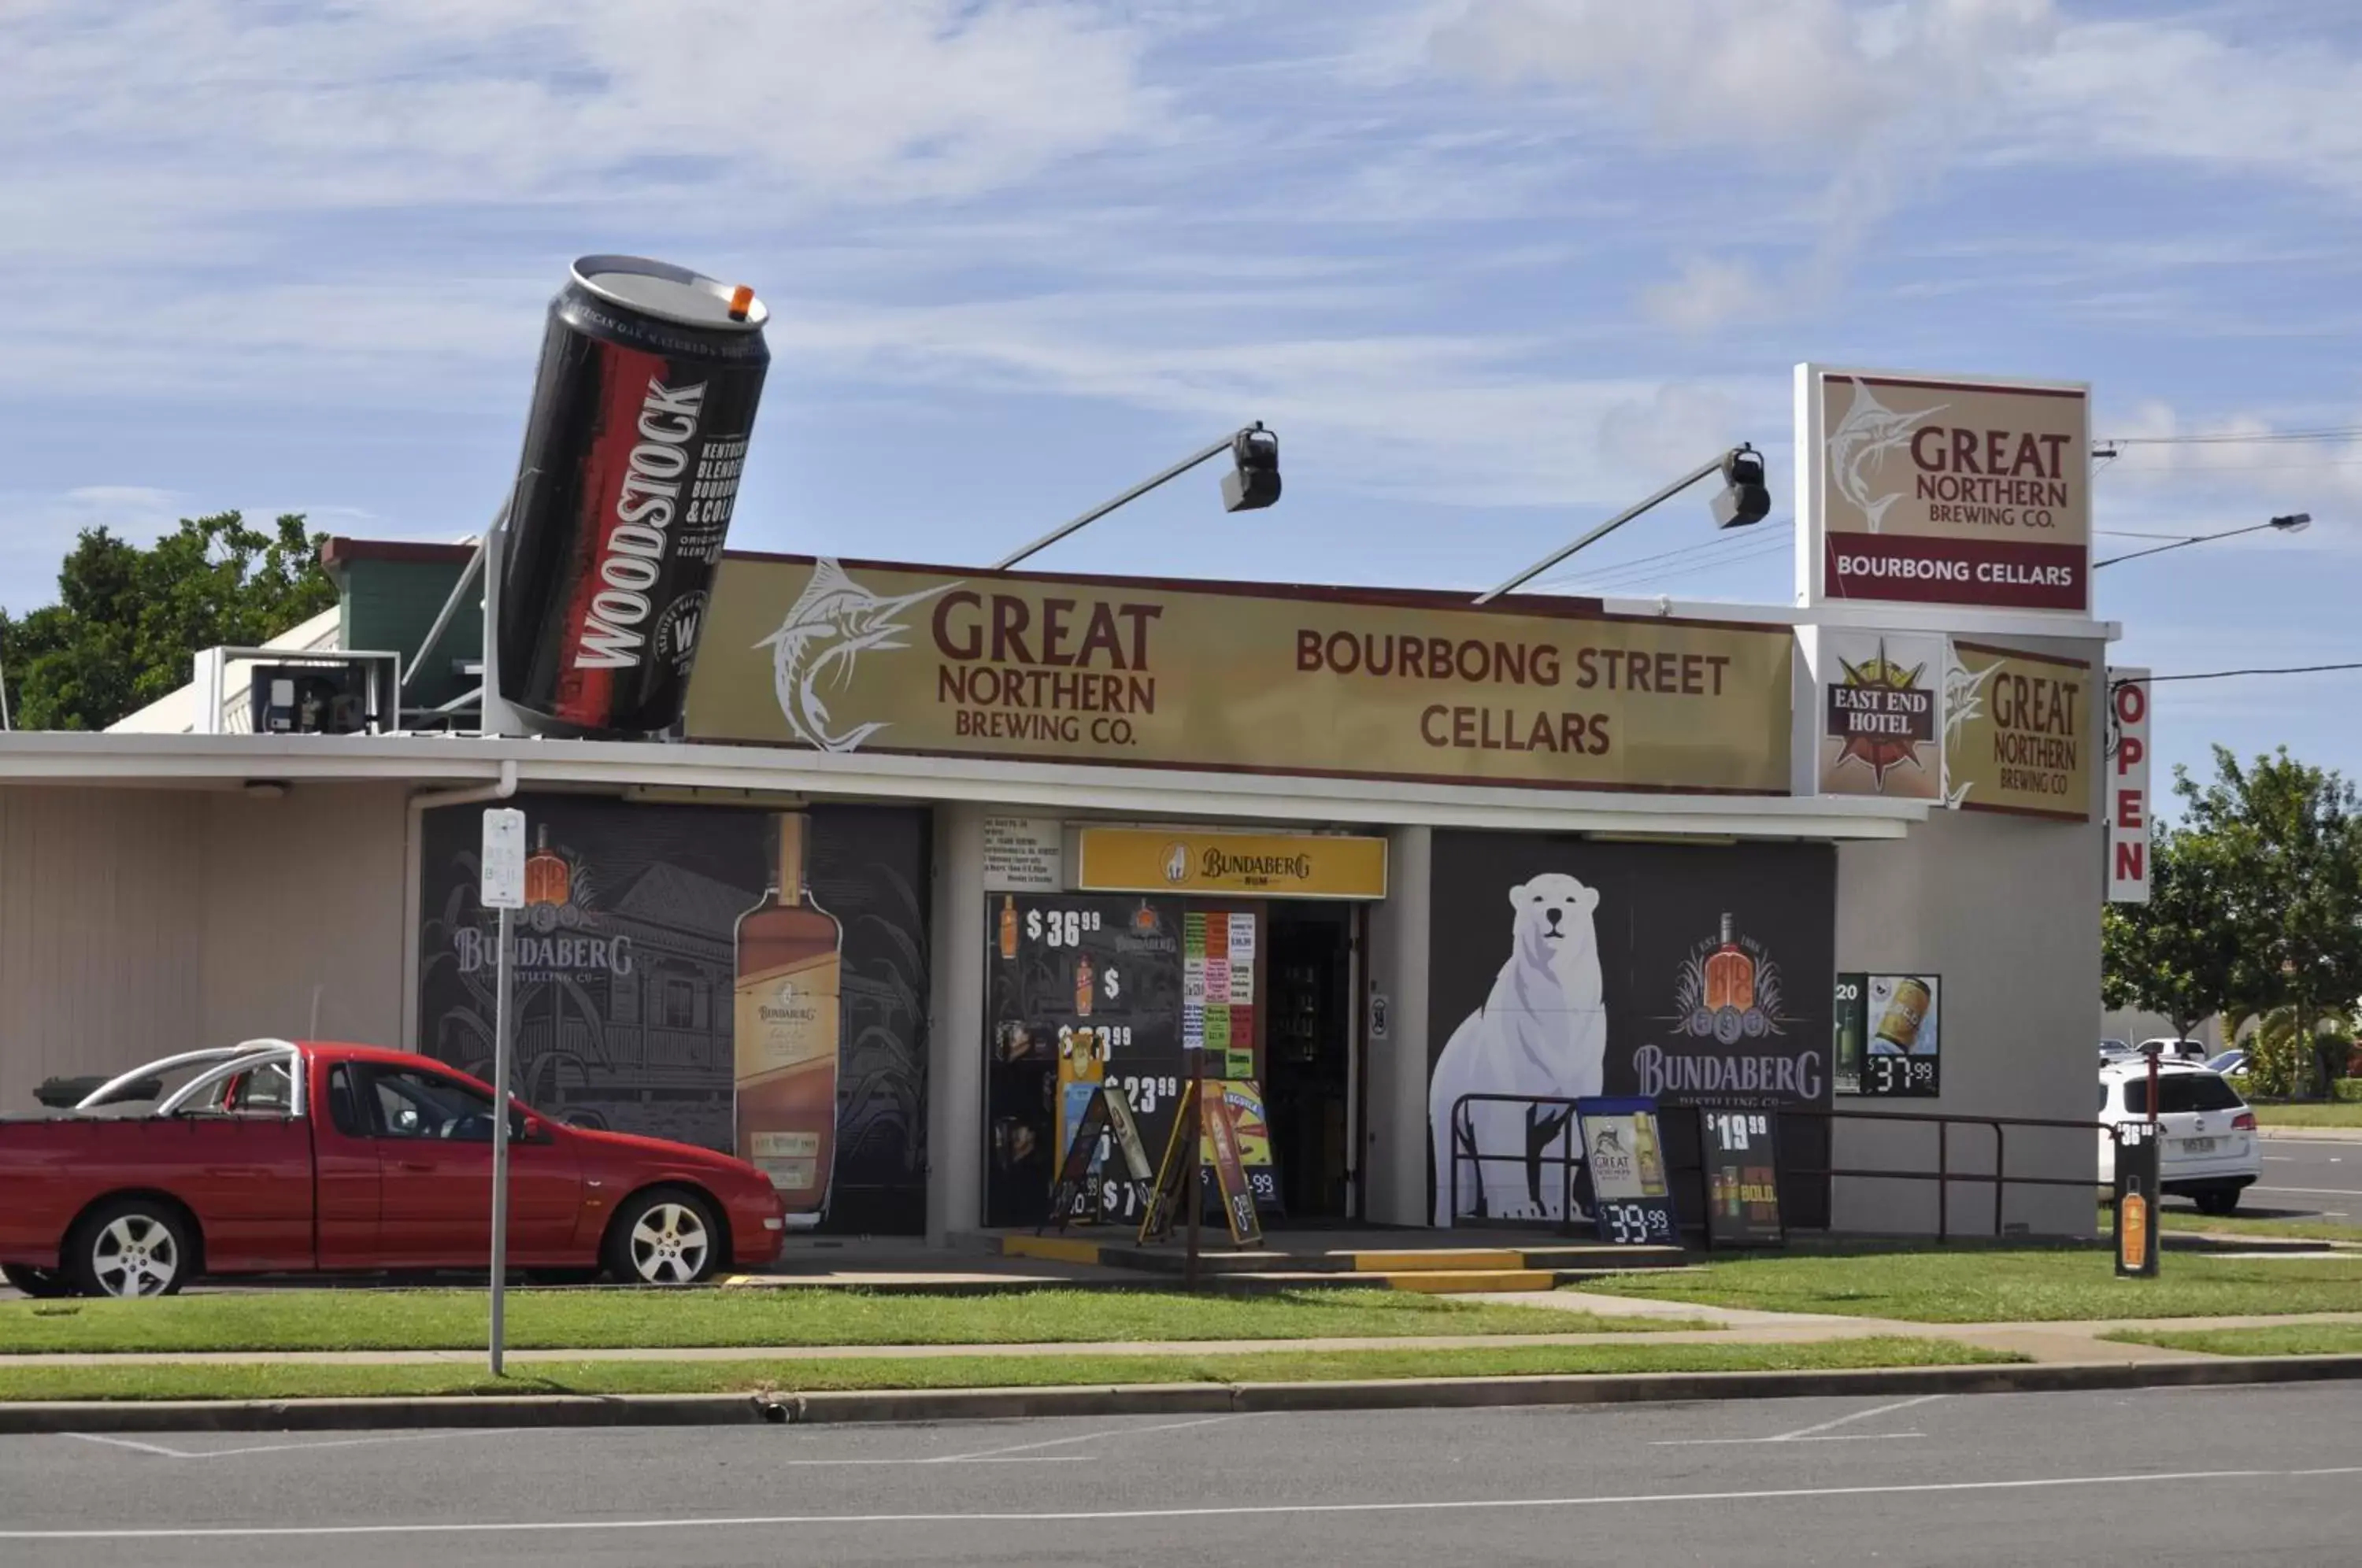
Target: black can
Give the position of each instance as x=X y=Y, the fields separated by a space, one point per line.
x=649 y=378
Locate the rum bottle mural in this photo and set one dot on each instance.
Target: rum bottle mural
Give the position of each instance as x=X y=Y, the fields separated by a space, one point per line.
x=788 y=1036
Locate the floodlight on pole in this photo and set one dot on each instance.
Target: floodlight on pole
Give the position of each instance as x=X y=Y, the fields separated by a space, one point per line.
x=1251 y=484
x=2292 y=522
x=1743 y=500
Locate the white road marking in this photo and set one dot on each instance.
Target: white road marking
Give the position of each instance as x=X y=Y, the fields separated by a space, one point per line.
x=1824 y=1437
x=1088 y=1437
x=160 y=1450
x=1856 y=1416
x=126 y=1442
x=1244 y=1510
x=1018 y=1453
x=2309 y=1191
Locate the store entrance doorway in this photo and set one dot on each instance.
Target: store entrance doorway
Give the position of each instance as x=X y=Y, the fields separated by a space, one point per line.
x=1311 y=1076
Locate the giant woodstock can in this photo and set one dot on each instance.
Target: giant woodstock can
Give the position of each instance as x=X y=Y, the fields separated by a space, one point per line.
x=649 y=377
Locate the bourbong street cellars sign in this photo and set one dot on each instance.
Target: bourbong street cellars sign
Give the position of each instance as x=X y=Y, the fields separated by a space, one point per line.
x=1943 y=490
x=847 y=656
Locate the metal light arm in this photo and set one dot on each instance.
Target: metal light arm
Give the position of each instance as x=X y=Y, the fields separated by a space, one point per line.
x=2281 y=525
x=1134 y=493
x=1712 y=465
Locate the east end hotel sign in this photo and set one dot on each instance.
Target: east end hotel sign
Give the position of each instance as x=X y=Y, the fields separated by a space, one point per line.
x=862 y=657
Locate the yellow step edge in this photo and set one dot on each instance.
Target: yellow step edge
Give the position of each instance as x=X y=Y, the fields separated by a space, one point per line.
x=1482 y=1258
x=1453 y=1281
x=1050 y=1249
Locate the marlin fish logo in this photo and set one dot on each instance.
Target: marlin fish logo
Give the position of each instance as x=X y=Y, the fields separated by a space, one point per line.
x=1964 y=699
x=1867 y=434
x=831 y=624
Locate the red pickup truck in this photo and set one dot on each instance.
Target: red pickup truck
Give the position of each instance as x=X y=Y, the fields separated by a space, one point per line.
x=277 y=1156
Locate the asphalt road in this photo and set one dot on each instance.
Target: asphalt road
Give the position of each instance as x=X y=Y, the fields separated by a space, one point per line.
x=2248 y=1475
x=2309 y=1177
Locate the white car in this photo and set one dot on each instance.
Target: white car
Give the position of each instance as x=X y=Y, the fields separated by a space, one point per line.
x=2210 y=1151
x=2166 y=1046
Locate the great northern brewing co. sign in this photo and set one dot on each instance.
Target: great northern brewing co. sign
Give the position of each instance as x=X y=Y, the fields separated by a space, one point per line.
x=847 y=655
x=1943 y=490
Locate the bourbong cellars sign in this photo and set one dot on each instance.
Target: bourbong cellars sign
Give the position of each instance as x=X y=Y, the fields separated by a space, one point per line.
x=1951 y=489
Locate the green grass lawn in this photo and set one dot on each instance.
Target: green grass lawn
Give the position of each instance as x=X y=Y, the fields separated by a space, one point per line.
x=2250 y=1225
x=1996 y=1285
x=752 y=1317
x=2285 y=1339
x=282 y=1381
x=2310 y=1113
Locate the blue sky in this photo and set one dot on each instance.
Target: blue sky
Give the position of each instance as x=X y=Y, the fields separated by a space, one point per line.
x=1491 y=270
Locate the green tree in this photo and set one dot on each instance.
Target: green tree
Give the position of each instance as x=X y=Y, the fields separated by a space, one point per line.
x=2285 y=840
x=128 y=619
x=2175 y=956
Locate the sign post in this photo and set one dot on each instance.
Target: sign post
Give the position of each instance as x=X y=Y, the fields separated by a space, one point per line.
x=2136 y=1178
x=502 y=888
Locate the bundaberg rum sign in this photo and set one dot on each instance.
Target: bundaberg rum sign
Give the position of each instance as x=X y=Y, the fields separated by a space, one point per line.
x=847 y=656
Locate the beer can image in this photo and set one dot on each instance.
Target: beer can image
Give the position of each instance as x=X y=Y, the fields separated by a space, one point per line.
x=634 y=448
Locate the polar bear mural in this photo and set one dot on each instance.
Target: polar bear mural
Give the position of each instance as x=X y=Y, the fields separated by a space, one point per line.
x=1543 y=1031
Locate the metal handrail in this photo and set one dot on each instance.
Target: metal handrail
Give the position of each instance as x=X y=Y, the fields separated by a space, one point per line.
x=1571 y=1162
x=1463 y=1146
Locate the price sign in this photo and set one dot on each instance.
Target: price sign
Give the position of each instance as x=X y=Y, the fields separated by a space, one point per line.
x=1889 y=1035
x=1081 y=991
x=2137 y=1165
x=1743 y=1171
x=1624 y=1151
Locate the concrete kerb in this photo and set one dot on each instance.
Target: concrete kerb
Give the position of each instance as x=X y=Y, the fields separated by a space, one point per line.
x=1193 y=1398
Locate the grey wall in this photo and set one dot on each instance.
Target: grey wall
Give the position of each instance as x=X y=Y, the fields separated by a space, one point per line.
x=2006 y=910
x=1393 y=1144
x=955 y=1039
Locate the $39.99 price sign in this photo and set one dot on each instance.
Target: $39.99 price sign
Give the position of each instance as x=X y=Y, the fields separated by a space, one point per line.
x=1623 y=1152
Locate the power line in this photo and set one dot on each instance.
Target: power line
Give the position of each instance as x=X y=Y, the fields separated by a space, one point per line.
x=2228 y=438
x=1702 y=554
x=2228 y=674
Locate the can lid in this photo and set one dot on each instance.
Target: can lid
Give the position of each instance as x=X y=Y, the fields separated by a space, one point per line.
x=670 y=293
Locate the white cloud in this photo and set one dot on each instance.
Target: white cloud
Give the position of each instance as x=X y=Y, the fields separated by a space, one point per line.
x=1851 y=96
x=187 y=107
x=2160 y=91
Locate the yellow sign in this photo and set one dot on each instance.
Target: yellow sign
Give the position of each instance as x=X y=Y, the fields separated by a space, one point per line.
x=2017 y=732
x=1195 y=860
x=1370 y=683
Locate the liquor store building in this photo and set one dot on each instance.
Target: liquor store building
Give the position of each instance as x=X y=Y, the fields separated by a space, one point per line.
x=1405 y=872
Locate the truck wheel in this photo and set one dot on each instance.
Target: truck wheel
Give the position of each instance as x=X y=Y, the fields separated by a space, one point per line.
x=40 y=1284
x=133 y=1247
x=667 y=1236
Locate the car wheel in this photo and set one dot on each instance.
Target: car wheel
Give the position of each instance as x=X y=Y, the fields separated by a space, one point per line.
x=2217 y=1199
x=664 y=1237
x=41 y=1284
x=134 y=1246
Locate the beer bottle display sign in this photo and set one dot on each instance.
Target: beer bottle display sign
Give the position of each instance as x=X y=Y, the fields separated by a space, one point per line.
x=2136 y=1178
x=1889 y=1035
x=1623 y=1152
x=787 y=1032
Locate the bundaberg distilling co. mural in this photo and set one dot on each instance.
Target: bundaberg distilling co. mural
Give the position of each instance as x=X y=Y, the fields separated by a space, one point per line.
x=790 y=954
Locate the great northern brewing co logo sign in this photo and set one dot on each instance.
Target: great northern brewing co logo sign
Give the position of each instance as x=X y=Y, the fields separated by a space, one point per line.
x=853 y=656
x=1944 y=489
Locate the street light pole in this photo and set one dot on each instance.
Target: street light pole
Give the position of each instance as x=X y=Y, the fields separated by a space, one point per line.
x=1256 y=485
x=1740 y=466
x=2293 y=522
